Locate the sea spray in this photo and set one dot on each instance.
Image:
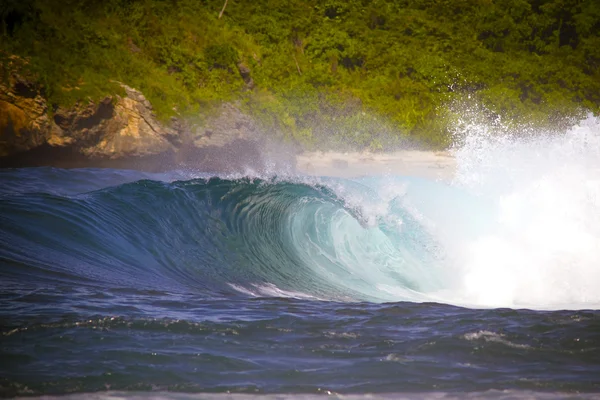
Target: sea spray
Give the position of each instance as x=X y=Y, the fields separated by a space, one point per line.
x=543 y=246
x=519 y=226
x=114 y=283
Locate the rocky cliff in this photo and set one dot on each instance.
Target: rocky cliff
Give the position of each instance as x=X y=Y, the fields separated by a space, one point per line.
x=123 y=132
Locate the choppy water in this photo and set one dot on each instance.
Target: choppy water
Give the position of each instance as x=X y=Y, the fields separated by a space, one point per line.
x=135 y=284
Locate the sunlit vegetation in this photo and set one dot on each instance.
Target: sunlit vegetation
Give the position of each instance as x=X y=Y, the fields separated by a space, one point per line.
x=367 y=74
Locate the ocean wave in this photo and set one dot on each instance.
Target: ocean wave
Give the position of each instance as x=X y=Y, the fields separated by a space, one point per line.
x=272 y=238
x=518 y=227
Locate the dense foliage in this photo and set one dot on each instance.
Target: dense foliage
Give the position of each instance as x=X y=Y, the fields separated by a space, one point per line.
x=324 y=72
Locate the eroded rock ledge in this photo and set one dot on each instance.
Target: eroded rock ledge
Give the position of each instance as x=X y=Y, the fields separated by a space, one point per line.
x=123 y=132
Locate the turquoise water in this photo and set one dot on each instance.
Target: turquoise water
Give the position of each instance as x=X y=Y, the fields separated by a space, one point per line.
x=128 y=283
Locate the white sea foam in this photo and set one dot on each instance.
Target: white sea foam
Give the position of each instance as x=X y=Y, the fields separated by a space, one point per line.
x=518 y=227
x=542 y=248
x=270 y=290
x=488 y=336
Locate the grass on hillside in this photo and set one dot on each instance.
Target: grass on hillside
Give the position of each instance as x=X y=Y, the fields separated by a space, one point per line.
x=333 y=73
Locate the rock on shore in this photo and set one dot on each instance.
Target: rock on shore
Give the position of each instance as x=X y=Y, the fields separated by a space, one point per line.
x=123 y=132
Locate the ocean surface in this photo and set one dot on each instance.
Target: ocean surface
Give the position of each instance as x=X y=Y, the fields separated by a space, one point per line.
x=125 y=284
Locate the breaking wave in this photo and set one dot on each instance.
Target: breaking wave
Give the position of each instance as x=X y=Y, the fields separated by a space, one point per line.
x=519 y=226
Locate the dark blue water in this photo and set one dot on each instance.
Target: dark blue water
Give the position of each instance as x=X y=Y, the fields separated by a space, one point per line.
x=127 y=284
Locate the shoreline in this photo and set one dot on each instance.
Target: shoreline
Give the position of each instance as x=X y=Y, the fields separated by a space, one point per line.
x=426 y=164
x=439 y=165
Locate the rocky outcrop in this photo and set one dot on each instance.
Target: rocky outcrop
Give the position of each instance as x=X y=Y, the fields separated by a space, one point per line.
x=123 y=131
x=244 y=71
x=24 y=122
x=114 y=128
x=227 y=125
x=230 y=140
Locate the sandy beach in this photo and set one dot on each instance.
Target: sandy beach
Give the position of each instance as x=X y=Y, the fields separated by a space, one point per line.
x=433 y=165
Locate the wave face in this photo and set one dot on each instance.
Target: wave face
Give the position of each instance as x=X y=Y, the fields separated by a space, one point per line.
x=518 y=227
x=214 y=236
x=121 y=281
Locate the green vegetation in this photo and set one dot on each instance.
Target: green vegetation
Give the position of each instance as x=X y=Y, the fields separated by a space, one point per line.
x=325 y=73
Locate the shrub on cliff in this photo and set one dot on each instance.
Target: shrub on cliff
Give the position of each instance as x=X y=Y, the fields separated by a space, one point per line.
x=300 y=65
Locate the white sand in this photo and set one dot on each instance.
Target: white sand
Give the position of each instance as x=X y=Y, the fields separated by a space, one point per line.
x=428 y=164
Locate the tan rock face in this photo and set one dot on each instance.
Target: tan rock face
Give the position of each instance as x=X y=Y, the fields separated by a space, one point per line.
x=113 y=128
x=117 y=129
x=15 y=127
x=140 y=133
x=24 y=122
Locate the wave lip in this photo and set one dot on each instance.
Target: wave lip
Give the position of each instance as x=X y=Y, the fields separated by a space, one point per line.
x=518 y=227
x=275 y=238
